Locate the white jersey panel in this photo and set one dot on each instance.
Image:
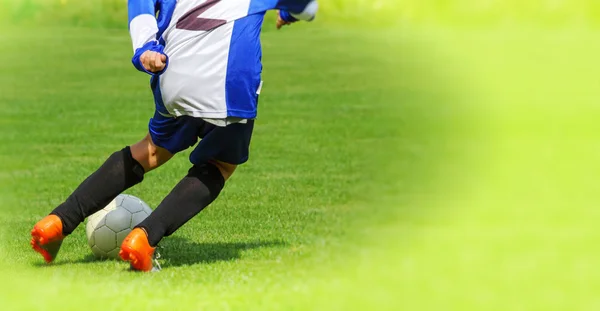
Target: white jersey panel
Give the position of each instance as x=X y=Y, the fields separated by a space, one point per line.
x=194 y=83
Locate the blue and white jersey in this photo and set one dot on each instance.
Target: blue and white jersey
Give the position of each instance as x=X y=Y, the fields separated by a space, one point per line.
x=213 y=49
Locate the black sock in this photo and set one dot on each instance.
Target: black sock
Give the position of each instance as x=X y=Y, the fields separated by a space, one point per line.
x=196 y=191
x=119 y=173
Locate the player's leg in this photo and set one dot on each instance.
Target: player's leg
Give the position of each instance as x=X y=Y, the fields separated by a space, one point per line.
x=191 y=195
x=121 y=171
x=215 y=160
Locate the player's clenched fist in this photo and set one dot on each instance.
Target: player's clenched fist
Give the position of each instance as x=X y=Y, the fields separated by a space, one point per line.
x=153 y=61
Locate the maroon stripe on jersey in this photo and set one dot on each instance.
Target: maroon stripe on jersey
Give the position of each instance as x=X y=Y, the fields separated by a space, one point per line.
x=192 y=20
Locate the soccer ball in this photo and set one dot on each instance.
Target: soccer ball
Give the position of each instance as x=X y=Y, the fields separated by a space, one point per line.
x=107 y=228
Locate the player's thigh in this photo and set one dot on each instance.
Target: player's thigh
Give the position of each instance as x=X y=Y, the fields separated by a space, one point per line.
x=166 y=137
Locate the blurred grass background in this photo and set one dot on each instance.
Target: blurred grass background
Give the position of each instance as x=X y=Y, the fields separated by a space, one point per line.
x=515 y=86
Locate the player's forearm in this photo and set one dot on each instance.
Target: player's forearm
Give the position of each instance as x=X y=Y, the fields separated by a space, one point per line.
x=142 y=22
x=144 y=28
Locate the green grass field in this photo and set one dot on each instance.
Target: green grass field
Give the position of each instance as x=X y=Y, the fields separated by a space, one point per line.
x=408 y=169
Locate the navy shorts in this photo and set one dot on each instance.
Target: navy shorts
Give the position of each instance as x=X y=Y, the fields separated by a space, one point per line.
x=229 y=144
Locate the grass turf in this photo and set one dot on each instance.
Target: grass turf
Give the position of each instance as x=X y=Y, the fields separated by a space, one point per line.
x=360 y=190
x=280 y=217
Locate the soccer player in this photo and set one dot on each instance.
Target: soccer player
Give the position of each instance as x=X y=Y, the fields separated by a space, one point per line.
x=204 y=57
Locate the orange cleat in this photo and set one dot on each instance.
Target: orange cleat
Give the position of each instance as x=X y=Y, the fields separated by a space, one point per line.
x=47 y=237
x=137 y=250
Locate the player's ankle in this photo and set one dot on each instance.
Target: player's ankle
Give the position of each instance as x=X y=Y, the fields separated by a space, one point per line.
x=62 y=224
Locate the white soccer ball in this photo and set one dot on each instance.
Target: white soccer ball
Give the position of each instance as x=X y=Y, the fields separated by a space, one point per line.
x=107 y=228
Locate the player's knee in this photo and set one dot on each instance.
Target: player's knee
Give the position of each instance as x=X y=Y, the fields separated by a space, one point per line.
x=157 y=155
x=211 y=176
x=149 y=155
x=155 y=151
x=226 y=169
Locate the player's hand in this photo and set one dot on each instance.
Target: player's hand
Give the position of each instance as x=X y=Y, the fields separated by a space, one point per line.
x=281 y=22
x=153 y=61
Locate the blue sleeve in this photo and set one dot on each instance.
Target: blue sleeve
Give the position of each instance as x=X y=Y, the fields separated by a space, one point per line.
x=165 y=10
x=295 y=10
x=139 y=7
x=286 y=16
x=292 y=6
x=289 y=7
